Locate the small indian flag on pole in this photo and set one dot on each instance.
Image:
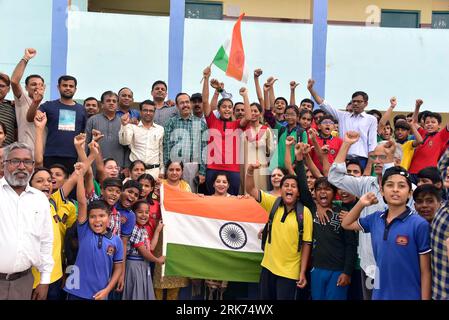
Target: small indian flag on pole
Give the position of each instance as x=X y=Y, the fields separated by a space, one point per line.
x=231 y=57
x=211 y=237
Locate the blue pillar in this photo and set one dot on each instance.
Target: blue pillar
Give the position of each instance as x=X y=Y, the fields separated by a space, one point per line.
x=176 y=47
x=319 y=45
x=59 y=38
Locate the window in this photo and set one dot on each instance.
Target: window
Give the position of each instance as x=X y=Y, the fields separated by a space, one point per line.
x=204 y=10
x=400 y=19
x=440 y=20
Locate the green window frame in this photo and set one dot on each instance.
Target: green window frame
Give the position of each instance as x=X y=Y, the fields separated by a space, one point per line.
x=400 y=18
x=440 y=20
x=204 y=10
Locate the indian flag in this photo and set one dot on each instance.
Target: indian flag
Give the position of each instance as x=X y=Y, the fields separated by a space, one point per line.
x=231 y=57
x=211 y=237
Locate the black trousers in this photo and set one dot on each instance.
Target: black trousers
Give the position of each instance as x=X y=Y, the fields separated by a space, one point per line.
x=273 y=287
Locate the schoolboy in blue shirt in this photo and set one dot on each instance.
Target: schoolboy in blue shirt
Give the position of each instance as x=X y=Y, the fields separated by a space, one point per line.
x=99 y=263
x=400 y=239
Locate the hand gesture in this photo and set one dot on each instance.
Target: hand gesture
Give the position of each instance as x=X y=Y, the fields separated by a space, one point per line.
x=266 y=87
x=310 y=84
x=80 y=168
x=38 y=94
x=290 y=141
x=390 y=147
x=94 y=147
x=40 y=119
x=271 y=81
x=351 y=137
x=125 y=119
x=97 y=135
x=322 y=216
x=325 y=149
x=312 y=133
x=160 y=226
x=80 y=140
x=201 y=179
x=30 y=53
x=243 y=91
x=101 y=295
x=257 y=73
x=170 y=103
x=134 y=121
x=418 y=103
x=206 y=72
x=293 y=85
x=214 y=83
x=368 y=199
x=259 y=234
x=161 y=260
x=342 y=215
x=393 y=102
x=306 y=148
x=253 y=166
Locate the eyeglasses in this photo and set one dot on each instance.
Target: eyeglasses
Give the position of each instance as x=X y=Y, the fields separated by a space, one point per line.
x=17 y=162
x=379 y=156
x=327 y=122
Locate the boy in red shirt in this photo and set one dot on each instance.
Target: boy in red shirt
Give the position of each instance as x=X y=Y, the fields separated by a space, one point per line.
x=433 y=146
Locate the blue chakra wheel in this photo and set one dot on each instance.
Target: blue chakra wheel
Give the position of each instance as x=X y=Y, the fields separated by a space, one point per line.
x=233 y=235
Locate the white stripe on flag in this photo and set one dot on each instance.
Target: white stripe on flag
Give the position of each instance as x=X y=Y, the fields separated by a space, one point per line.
x=205 y=232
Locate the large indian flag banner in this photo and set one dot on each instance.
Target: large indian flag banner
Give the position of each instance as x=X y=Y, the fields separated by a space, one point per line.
x=211 y=237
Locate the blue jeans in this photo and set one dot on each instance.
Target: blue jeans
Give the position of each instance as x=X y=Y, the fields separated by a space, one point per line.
x=324 y=285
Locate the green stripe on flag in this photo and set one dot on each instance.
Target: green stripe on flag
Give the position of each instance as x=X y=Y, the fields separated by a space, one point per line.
x=221 y=59
x=214 y=264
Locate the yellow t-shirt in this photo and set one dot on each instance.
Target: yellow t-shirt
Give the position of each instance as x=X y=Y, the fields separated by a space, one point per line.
x=66 y=211
x=281 y=256
x=56 y=273
x=407 y=154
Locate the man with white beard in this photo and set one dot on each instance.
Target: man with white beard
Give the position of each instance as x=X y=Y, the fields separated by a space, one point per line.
x=26 y=232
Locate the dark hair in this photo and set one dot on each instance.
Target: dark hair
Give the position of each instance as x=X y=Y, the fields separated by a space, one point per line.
x=134 y=163
x=146 y=102
x=326 y=117
x=112 y=182
x=98 y=204
x=401 y=124
x=295 y=108
x=5 y=78
x=223 y=100
x=323 y=182
x=62 y=167
x=375 y=112
x=283 y=99
x=150 y=178
x=67 y=78
x=258 y=106
x=169 y=163
x=360 y=93
x=138 y=203
x=397 y=117
x=108 y=94
x=235 y=104
x=307 y=100
x=396 y=170
x=423 y=114
x=181 y=94
x=31 y=76
x=222 y=173
x=427 y=189
x=287 y=177
x=88 y=99
x=283 y=170
x=158 y=82
x=124 y=89
x=435 y=115
x=132 y=184
x=4 y=128
x=106 y=160
x=409 y=115
x=316 y=111
x=39 y=169
x=305 y=111
x=431 y=173
x=354 y=162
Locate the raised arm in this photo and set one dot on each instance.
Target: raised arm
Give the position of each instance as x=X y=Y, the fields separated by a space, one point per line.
x=387 y=115
x=18 y=72
x=304 y=192
x=38 y=95
x=247 y=117
x=81 y=195
x=350 y=221
x=418 y=137
x=257 y=74
x=289 y=142
x=293 y=86
x=321 y=152
x=205 y=93
x=271 y=81
x=250 y=185
x=219 y=87
x=418 y=105
x=312 y=91
x=40 y=121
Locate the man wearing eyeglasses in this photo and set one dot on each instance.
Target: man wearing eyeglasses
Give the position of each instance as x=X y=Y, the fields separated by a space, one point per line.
x=356 y=120
x=26 y=232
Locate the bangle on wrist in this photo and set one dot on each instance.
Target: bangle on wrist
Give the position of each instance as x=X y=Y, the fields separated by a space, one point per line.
x=26 y=61
x=220 y=90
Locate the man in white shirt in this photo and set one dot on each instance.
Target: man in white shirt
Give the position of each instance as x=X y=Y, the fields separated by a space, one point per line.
x=26 y=231
x=357 y=120
x=144 y=139
x=23 y=99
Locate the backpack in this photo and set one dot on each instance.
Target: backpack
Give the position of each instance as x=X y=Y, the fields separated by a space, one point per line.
x=266 y=233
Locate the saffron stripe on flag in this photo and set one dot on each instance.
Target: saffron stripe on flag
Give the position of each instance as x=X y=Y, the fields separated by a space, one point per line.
x=203 y=263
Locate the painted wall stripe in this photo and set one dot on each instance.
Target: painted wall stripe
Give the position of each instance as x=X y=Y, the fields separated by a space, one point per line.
x=176 y=47
x=319 y=45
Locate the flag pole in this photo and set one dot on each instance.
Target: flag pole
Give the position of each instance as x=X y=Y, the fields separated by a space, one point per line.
x=210 y=65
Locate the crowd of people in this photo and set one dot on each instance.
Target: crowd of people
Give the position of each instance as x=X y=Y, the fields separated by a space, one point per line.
x=356 y=200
